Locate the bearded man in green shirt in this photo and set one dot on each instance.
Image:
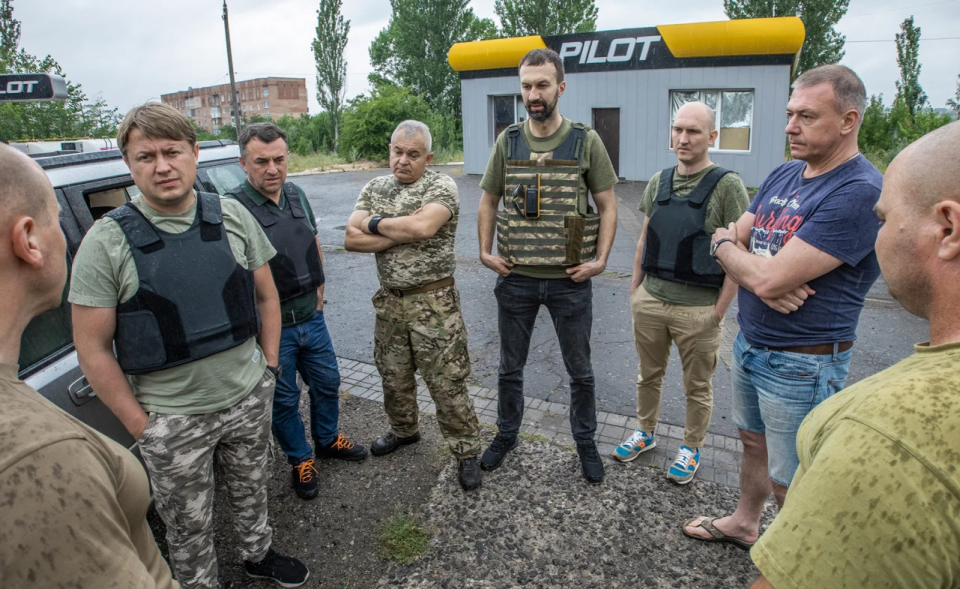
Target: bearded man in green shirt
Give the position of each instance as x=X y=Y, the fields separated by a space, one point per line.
x=178 y=282
x=679 y=293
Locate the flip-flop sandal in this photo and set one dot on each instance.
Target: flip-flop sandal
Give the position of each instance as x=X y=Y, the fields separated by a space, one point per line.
x=717 y=536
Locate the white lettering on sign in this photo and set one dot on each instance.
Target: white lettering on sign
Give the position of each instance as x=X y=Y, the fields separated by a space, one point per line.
x=587 y=50
x=18 y=87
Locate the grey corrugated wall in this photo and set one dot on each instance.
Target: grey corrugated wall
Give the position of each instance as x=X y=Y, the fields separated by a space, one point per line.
x=643 y=97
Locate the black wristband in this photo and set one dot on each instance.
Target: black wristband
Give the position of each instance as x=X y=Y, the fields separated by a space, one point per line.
x=372 y=225
x=717 y=244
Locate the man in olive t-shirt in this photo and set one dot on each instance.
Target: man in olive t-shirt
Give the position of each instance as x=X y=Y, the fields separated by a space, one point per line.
x=74 y=503
x=876 y=499
x=566 y=291
x=673 y=303
x=178 y=283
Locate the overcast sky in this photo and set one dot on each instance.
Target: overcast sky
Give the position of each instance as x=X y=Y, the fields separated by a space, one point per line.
x=131 y=52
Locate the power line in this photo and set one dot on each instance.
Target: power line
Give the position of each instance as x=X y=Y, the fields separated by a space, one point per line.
x=899 y=8
x=894 y=40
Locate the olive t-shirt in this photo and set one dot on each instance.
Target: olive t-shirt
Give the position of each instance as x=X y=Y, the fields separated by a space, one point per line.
x=597 y=175
x=876 y=500
x=105 y=275
x=727 y=203
x=301 y=308
x=73 y=503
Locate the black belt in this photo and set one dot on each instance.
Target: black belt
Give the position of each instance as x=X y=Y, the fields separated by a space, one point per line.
x=435 y=285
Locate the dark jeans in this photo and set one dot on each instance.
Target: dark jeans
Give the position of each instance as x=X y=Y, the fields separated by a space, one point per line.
x=306 y=348
x=571 y=308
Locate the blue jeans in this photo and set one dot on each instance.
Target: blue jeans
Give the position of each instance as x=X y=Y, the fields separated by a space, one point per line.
x=306 y=348
x=571 y=308
x=773 y=392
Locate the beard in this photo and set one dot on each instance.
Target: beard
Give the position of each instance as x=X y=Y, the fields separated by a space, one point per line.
x=541 y=115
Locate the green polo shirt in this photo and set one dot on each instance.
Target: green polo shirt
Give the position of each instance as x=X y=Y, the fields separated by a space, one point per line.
x=302 y=308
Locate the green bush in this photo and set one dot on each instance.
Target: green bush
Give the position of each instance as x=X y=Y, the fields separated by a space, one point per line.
x=370 y=120
x=886 y=132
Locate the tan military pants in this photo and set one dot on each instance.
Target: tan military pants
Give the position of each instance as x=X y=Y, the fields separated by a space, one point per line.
x=696 y=331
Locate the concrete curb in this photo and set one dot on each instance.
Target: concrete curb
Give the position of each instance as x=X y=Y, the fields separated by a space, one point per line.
x=719 y=457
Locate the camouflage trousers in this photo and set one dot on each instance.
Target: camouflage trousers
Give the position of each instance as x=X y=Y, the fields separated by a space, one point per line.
x=426 y=331
x=180 y=451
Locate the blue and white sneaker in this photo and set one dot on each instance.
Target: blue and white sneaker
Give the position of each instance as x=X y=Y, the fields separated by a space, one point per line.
x=685 y=466
x=638 y=443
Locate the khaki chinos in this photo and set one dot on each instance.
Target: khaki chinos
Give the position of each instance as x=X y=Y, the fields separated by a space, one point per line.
x=696 y=331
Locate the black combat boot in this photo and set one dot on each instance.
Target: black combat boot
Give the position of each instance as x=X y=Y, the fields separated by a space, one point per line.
x=590 y=464
x=494 y=455
x=389 y=442
x=469 y=473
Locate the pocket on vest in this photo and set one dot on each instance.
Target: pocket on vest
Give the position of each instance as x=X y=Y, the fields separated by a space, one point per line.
x=141 y=325
x=703 y=262
x=581 y=236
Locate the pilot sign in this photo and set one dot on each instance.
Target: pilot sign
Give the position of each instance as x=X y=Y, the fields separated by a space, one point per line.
x=32 y=88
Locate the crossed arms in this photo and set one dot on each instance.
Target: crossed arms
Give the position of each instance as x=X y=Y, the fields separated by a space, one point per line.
x=422 y=224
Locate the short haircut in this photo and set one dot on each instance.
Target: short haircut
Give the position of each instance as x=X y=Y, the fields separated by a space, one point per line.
x=542 y=56
x=266 y=132
x=22 y=186
x=410 y=129
x=157 y=121
x=847 y=86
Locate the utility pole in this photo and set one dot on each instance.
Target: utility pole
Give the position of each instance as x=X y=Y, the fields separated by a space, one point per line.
x=233 y=82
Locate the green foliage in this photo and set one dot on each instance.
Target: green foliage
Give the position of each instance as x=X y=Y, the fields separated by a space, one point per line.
x=954 y=103
x=9 y=35
x=885 y=132
x=908 y=59
x=823 y=44
x=519 y=18
x=205 y=135
x=227 y=132
x=370 y=120
x=306 y=134
x=412 y=49
x=403 y=540
x=328 y=47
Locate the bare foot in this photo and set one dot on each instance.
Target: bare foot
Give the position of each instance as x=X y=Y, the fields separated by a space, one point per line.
x=724 y=525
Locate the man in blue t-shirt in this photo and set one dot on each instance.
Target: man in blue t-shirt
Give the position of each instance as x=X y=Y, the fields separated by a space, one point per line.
x=803 y=257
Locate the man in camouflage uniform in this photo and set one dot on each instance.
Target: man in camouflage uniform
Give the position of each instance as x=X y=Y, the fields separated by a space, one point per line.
x=410 y=220
x=178 y=282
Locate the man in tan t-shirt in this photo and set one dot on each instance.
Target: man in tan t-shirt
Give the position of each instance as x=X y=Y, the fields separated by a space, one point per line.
x=74 y=503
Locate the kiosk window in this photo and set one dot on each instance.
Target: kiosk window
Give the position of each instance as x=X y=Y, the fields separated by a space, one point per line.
x=507 y=110
x=734 y=115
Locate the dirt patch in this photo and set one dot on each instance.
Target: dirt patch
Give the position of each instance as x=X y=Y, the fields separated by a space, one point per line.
x=358 y=166
x=338 y=534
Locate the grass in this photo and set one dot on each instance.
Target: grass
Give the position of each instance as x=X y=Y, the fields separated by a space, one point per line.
x=300 y=163
x=445 y=156
x=403 y=540
x=533 y=437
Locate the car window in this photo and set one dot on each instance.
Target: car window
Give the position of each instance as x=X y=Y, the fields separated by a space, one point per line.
x=222 y=178
x=102 y=202
x=47 y=334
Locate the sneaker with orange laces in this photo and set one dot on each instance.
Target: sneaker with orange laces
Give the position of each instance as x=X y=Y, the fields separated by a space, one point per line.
x=305 y=479
x=343 y=449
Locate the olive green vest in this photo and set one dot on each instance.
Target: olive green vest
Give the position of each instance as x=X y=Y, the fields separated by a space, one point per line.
x=565 y=233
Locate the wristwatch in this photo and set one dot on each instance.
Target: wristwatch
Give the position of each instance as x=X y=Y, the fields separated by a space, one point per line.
x=276 y=370
x=372 y=225
x=716 y=244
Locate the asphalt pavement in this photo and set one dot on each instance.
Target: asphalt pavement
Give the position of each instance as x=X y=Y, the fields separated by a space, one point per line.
x=886 y=333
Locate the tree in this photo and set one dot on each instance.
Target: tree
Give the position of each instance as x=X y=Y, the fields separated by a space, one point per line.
x=908 y=59
x=519 y=18
x=412 y=50
x=9 y=35
x=369 y=122
x=328 y=47
x=954 y=103
x=823 y=44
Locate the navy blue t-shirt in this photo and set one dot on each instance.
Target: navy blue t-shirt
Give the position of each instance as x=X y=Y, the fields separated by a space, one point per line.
x=834 y=213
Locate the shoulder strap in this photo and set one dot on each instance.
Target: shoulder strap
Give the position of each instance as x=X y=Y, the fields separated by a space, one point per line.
x=293 y=199
x=262 y=214
x=572 y=146
x=665 y=187
x=210 y=215
x=140 y=232
x=703 y=190
x=514 y=143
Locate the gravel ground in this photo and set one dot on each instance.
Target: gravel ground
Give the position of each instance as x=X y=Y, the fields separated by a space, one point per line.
x=536 y=523
x=336 y=534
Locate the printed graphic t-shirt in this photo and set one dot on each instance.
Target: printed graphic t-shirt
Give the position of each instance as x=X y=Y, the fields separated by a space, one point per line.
x=834 y=213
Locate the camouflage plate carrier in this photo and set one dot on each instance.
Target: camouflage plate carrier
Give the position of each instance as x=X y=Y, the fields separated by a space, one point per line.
x=565 y=233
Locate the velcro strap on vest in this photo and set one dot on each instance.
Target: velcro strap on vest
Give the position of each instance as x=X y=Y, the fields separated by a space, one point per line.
x=293 y=199
x=139 y=232
x=211 y=216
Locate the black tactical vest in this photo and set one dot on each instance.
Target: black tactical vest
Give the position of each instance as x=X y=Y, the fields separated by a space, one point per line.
x=677 y=246
x=194 y=300
x=296 y=268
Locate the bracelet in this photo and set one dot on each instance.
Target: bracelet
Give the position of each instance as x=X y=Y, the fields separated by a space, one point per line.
x=372 y=225
x=716 y=246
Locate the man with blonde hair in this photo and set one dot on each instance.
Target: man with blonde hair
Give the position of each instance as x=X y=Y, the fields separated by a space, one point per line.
x=178 y=282
x=50 y=463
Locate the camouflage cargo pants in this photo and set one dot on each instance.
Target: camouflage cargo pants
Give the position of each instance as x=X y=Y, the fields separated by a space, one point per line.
x=426 y=331
x=180 y=451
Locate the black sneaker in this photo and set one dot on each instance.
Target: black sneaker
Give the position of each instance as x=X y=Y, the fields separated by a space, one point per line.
x=389 y=442
x=590 y=464
x=494 y=455
x=305 y=481
x=343 y=449
x=286 y=571
x=469 y=471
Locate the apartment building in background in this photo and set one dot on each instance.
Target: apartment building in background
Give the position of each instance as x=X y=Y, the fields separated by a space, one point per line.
x=271 y=98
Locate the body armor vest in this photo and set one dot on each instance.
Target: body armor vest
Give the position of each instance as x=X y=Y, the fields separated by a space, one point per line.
x=296 y=268
x=194 y=299
x=564 y=231
x=677 y=247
